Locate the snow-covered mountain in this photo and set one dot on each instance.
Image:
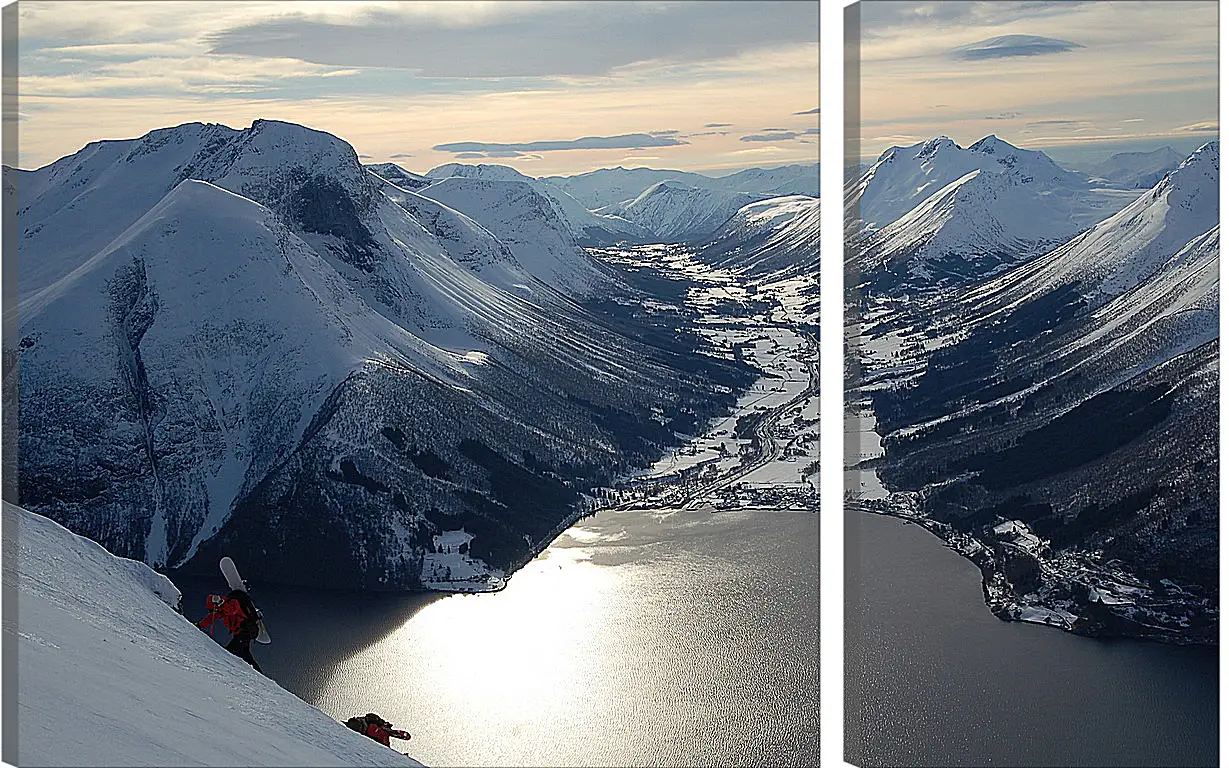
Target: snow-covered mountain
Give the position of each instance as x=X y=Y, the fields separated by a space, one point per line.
x=608 y=186
x=527 y=223
x=600 y=207
x=112 y=675
x=1140 y=170
x=258 y=345
x=904 y=177
x=967 y=230
x=1125 y=249
x=1077 y=394
x=399 y=176
x=773 y=246
x=769 y=240
x=585 y=227
x=801 y=179
x=676 y=212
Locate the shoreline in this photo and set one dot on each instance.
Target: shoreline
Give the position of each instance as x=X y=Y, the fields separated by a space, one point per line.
x=1094 y=618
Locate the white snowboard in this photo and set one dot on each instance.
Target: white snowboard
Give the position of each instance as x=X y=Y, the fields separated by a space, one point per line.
x=235 y=582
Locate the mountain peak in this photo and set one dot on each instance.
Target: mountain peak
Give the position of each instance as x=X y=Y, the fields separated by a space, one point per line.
x=1198 y=171
x=487 y=171
x=935 y=146
x=991 y=145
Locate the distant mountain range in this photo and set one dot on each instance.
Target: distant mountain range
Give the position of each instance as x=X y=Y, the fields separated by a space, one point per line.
x=1140 y=170
x=246 y=342
x=640 y=205
x=935 y=214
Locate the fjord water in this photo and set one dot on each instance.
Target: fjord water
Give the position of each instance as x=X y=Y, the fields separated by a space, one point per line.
x=637 y=638
x=933 y=678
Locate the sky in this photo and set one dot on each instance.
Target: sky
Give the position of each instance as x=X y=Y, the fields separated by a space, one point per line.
x=547 y=87
x=1079 y=80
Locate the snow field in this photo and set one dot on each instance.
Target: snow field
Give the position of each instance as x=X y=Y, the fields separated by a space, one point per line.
x=109 y=674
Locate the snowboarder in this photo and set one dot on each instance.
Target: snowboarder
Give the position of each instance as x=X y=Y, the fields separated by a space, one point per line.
x=237 y=612
x=375 y=727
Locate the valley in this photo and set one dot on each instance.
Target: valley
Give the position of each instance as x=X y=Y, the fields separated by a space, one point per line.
x=1046 y=413
x=765 y=453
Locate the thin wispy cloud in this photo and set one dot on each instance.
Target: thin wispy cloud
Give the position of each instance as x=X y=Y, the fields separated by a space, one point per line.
x=809 y=112
x=1061 y=76
x=625 y=141
x=779 y=135
x=1208 y=126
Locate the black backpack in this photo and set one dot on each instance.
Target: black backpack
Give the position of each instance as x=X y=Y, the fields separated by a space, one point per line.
x=357 y=724
x=249 y=626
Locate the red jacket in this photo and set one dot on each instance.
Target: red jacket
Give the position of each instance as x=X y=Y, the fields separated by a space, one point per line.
x=381 y=733
x=230 y=613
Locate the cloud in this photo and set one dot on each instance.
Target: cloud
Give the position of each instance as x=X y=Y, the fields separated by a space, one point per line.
x=778 y=135
x=364 y=157
x=717 y=125
x=663 y=133
x=1005 y=46
x=1206 y=126
x=961 y=13
x=1056 y=122
x=565 y=39
x=1002 y=116
x=401 y=155
x=809 y=112
x=625 y=141
x=470 y=155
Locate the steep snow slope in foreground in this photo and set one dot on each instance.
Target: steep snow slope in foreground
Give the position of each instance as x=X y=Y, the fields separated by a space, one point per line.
x=111 y=675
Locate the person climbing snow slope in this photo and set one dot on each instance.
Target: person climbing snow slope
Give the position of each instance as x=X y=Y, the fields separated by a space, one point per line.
x=237 y=612
x=376 y=727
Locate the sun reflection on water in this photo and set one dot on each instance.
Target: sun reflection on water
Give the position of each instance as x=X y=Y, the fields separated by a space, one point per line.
x=517 y=648
x=622 y=644
x=520 y=661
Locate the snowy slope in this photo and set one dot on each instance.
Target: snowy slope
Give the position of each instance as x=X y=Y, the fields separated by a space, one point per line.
x=769 y=240
x=677 y=213
x=398 y=175
x=1140 y=170
x=585 y=226
x=903 y=177
x=967 y=230
x=773 y=246
x=526 y=222
x=87 y=184
x=111 y=675
x=243 y=386
x=1120 y=252
x=1174 y=311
